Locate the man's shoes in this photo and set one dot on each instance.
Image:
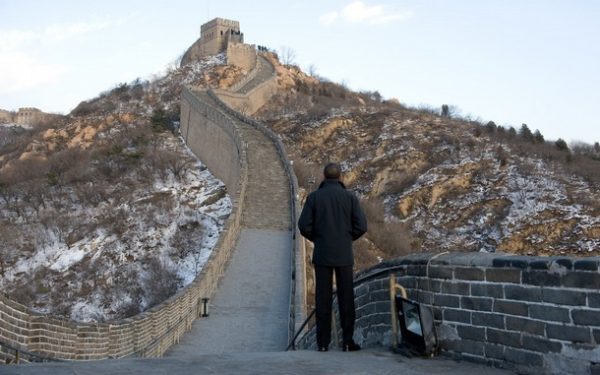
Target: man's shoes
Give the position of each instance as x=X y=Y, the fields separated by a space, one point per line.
x=350 y=347
x=323 y=348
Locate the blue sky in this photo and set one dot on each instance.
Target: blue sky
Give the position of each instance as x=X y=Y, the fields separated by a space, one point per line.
x=510 y=61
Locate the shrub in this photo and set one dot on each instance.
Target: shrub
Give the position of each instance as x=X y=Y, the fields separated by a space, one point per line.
x=561 y=145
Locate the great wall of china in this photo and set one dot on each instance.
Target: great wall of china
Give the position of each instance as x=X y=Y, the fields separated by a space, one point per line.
x=528 y=314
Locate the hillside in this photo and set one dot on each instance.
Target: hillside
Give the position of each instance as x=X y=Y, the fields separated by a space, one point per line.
x=105 y=213
x=444 y=184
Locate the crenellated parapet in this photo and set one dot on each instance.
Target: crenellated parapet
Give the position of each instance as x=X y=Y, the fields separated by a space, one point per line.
x=529 y=314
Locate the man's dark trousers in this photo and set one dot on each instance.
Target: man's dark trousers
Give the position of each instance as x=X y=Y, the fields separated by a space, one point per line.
x=323 y=294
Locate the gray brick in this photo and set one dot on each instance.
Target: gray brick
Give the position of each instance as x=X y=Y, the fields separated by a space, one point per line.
x=438 y=314
x=586 y=265
x=555 y=314
x=596 y=333
x=594 y=300
x=540 y=264
x=522 y=293
x=456 y=288
x=534 y=327
x=503 y=275
x=441 y=272
x=586 y=317
x=569 y=333
x=580 y=279
x=541 y=278
x=463 y=346
x=415 y=270
x=461 y=316
x=503 y=337
x=446 y=300
x=518 y=261
x=487 y=290
x=563 y=297
x=471 y=333
x=523 y=357
x=494 y=351
x=595 y=369
x=475 y=303
x=469 y=273
x=564 y=262
x=488 y=320
x=382 y=307
x=511 y=307
x=540 y=344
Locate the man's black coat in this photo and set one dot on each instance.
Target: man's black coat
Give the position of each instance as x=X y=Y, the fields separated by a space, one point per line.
x=332 y=219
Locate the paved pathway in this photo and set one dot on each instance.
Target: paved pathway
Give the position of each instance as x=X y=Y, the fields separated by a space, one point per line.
x=250 y=309
x=263 y=74
x=274 y=363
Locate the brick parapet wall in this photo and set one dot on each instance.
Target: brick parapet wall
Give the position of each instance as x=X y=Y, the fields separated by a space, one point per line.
x=529 y=314
x=152 y=332
x=249 y=103
x=244 y=56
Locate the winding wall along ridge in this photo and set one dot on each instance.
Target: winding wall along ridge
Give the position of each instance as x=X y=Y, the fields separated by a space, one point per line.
x=152 y=332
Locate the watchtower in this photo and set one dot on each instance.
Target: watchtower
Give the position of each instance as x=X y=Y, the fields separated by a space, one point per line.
x=216 y=34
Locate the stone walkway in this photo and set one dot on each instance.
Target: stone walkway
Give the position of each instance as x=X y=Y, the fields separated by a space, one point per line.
x=263 y=74
x=378 y=362
x=250 y=310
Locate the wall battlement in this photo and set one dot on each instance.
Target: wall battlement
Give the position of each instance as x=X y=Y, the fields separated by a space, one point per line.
x=523 y=313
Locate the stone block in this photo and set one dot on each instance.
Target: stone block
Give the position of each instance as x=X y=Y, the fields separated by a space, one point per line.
x=586 y=317
x=564 y=297
x=541 y=344
x=541 y=278
x=569 y=333
x=465 y=346
x=523 y=293
x=512 y=261
x=488 y=320
x=511 y=307
x=494 y=351
x=476 y=303
x=549 y=313
x=596 y=334
x=446 y=300
x=534 y=327
x=471 y=333
x=524 y=357
x=594 y=300
x=581 y=279
x=441 y=272
x=501 y=337
x=586 y=265
x=461 y=316
x=503 y=275
x=469 y=273
x=415 y=270
x=564 y=262
x=456 y=288
x=487 y=290
x=595 y=369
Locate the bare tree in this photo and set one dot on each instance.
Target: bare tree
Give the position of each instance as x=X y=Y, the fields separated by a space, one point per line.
x=287 y=55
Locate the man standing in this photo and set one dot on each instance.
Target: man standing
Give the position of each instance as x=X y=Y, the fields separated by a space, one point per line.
x=332 y=219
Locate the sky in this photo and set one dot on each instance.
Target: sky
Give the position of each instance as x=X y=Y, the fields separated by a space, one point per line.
x=509 y=61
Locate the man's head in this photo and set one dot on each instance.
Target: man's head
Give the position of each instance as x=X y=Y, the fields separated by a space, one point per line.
x=332 y=171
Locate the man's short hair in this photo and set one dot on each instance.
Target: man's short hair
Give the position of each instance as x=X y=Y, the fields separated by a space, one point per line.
x=332 y=171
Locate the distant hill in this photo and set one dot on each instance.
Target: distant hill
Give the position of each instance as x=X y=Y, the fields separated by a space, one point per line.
x=105 y=212
x=436 y=183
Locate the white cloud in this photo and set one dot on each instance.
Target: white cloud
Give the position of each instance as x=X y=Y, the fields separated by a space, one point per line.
x=22 y=72
x=359 y=12
x=329 y=18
